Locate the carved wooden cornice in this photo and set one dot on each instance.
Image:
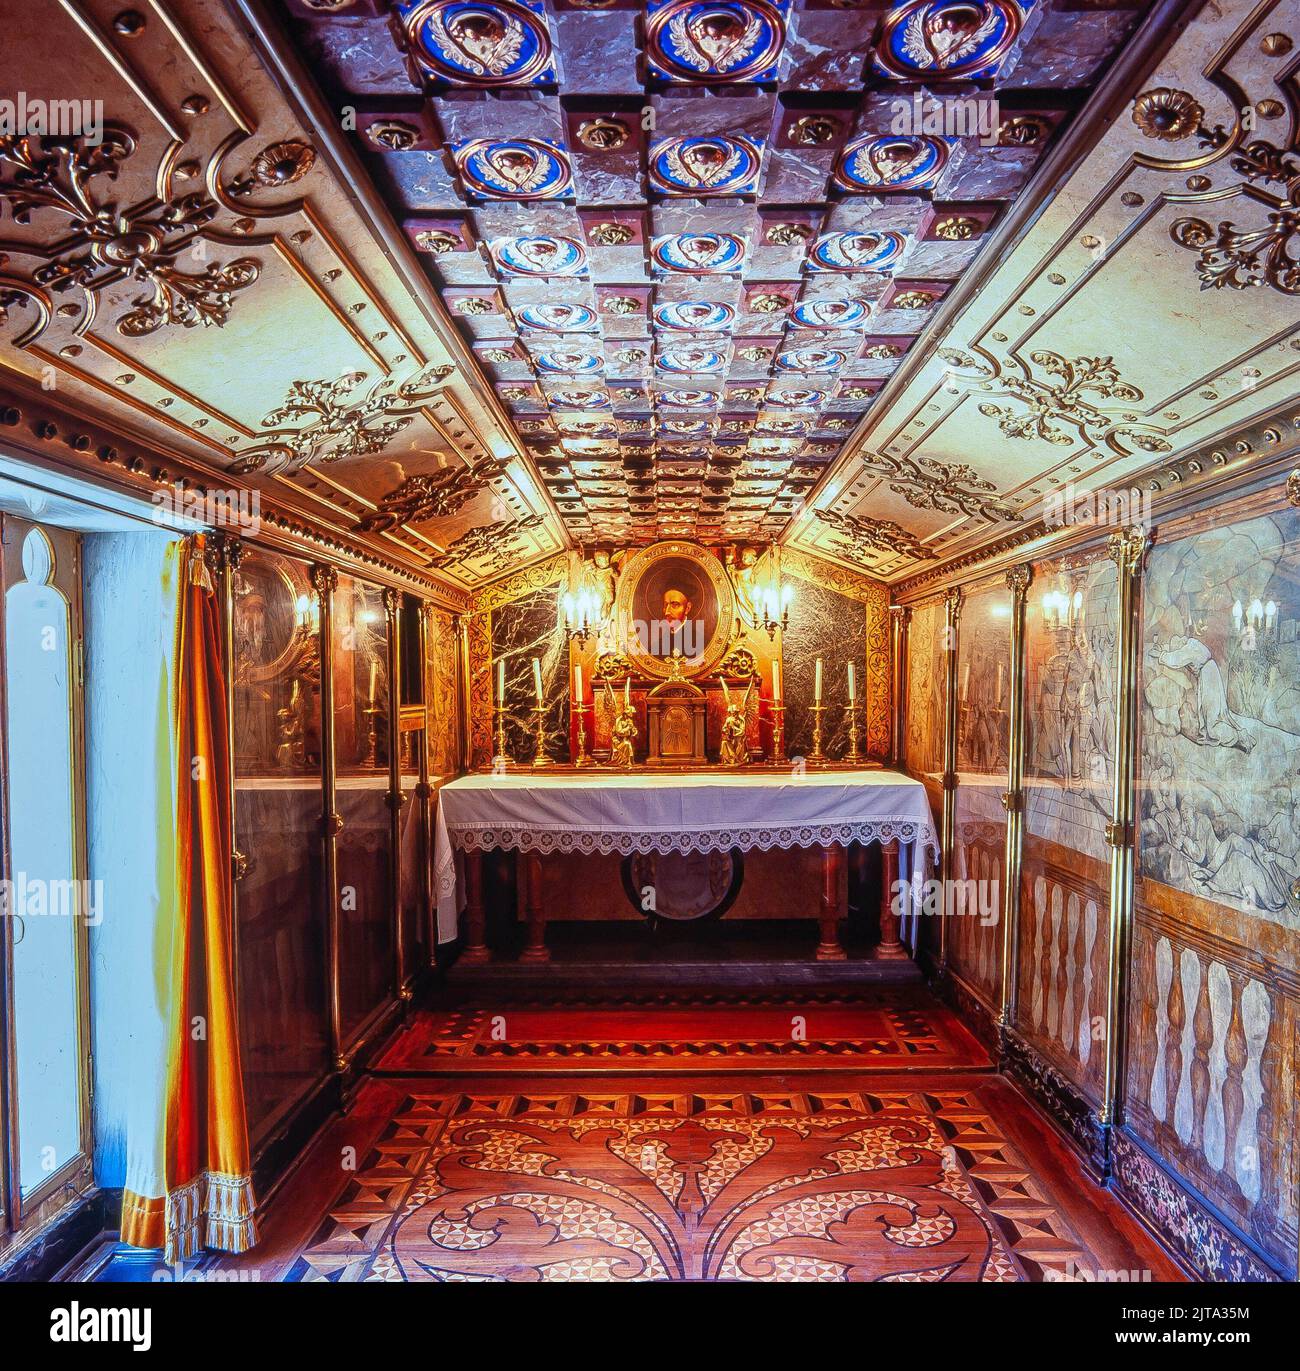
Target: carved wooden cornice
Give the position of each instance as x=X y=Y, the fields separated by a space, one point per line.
x=856 y=585
x=49 y=436
x=1257 y=452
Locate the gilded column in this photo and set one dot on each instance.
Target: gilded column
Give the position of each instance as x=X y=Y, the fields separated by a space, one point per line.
x=222 y=553
x=325 y=580
x=395 y=798
x=951 y=629
x=424 y=791
x=1128 y=550
x=898 y=617
x=464 y=693
x=1013 y=801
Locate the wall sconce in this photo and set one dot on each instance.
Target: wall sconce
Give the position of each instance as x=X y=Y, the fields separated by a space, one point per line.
x=581 y=614
x=1254 y=619
x=1062 y=610
x=306 y=614
x=772 y=605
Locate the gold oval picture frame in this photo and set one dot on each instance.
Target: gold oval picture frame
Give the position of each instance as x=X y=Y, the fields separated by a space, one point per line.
x=644 y=627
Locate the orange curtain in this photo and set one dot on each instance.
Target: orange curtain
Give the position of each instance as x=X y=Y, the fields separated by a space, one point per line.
x=208 y=1199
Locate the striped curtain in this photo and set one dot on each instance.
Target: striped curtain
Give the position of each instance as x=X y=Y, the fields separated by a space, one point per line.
x=188 y=1183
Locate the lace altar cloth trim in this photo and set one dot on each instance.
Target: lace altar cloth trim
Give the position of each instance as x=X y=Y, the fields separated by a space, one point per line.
x=481 y=839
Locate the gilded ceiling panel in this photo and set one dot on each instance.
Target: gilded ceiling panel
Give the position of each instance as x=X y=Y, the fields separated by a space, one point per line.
x=689 y=241
x=1153 y=305
x=175 y=254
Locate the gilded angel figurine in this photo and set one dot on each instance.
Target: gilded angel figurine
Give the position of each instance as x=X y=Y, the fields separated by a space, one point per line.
x=735 y=749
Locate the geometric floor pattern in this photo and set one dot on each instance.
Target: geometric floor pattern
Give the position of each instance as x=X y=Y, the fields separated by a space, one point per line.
x=639 y=1181
x=881 y=1030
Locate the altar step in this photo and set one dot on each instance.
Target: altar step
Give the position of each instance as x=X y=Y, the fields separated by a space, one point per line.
x=474 y=1030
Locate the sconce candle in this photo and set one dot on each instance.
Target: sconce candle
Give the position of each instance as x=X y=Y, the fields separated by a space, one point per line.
x=627 y=692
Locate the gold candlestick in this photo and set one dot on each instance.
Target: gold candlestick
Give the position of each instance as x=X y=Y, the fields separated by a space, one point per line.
x=372 y=735
x=539 y=737
x=851 y=714
x=778 y=730
x=584 y=758
x=499 y=727
x=816 y=754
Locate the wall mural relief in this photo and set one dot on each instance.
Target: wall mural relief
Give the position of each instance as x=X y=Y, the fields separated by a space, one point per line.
x=926 y=677
x=983 y=755
x=1211 y=1051
x=1070 y=647
x=1070 y=638
x=1220 y=702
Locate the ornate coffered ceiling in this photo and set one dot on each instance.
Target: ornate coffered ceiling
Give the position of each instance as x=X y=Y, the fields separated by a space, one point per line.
x=195 y=273
x=689 y=241
x=1151 y=307
x=468 y=282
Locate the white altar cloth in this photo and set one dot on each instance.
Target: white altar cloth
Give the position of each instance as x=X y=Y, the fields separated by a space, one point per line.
x=627 y=812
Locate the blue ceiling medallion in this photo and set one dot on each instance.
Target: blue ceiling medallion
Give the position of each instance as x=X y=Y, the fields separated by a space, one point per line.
x=795 y=399
x=811 y=359
x=687 y=399
x=504 y=43
x=891 y=161
x=831 y=314
x=540 y=256
x=706 y=166
x=577 y=399
x=694 y=316
x=688 y=360
x=726 y=41
x=558 y=318
x=701 y=254
x=570 y=362
x=869 y=250
x=948 y=39
x=513 y=169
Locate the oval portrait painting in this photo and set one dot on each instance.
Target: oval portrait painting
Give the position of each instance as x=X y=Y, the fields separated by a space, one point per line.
x=677 y=606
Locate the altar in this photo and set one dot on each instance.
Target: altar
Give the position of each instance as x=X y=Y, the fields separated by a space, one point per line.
x=578 y=811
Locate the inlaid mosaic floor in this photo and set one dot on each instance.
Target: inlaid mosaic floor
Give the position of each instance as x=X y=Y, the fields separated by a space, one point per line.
x=878 y=1030
x=784 y=1180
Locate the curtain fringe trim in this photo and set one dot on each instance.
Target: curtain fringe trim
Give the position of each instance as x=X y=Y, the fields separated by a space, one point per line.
x=213 y=1211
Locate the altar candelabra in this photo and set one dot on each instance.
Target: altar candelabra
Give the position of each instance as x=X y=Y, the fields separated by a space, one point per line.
x=777 y=710
x=540 y=758
x=851 y=717
x=584 y=758
x=500 y=758
x=372 y=713
x=816 y=753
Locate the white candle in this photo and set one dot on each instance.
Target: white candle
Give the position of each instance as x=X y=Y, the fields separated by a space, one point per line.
x=776 y=680
x=627 y=692
x=578 y=668
x=817 y=686
x=537 y=679
x=853 y=690
x=501 y=682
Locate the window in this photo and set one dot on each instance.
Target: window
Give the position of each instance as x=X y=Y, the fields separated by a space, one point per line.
x=48 y=903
